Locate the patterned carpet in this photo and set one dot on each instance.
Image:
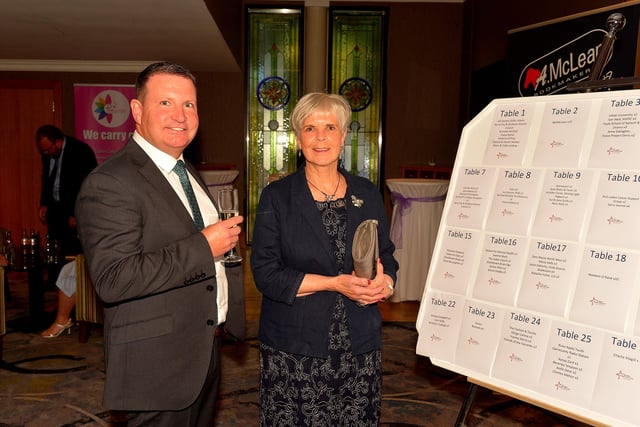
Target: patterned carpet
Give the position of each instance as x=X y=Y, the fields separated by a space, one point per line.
x=58 y=382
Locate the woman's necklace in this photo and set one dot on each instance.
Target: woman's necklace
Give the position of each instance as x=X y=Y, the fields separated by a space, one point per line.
x=327 y=197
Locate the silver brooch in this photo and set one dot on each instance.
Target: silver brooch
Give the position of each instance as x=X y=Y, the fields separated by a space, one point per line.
x=356 y=202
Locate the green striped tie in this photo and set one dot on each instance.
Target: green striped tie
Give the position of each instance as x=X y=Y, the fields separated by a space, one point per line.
x=180 y=170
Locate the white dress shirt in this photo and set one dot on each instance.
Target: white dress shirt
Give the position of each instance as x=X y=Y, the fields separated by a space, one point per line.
x=56 y=180
x=165 y=163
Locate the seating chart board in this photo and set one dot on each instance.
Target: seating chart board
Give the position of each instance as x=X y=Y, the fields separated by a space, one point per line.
x=534 y=280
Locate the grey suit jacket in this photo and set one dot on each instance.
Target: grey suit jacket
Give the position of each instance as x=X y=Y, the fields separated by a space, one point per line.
x=156 y=277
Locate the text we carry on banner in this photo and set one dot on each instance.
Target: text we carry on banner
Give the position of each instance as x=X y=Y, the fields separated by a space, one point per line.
x=103 y=116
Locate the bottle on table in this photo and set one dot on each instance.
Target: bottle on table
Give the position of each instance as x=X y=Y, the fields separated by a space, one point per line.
x=10 y=250
x=34 y=246
x=25 y=249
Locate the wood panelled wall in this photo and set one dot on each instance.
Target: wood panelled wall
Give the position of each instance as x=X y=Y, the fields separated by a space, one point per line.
x=24 y=106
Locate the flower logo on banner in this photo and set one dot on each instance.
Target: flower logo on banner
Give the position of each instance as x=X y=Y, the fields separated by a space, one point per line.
x=111 y=108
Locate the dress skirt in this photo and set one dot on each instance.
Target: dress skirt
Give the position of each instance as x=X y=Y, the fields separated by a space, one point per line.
x=341 y=390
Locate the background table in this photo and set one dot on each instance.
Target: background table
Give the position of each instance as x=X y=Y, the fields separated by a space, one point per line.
x=218 y=179
x=417 y=209
x=36 y=270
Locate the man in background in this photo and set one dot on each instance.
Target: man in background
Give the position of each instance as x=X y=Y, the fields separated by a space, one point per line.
x=66 y=162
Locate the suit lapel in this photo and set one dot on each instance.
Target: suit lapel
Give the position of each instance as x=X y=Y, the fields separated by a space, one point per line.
x=165 y=193
x=302 y=201
x=354 y=217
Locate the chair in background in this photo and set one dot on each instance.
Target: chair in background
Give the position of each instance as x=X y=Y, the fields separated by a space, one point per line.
x=88 y=305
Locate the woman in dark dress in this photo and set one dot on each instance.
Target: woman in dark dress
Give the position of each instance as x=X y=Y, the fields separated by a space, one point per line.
x=320 y=327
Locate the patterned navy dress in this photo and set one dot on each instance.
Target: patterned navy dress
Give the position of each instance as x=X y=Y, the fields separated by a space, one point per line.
x=342 y=390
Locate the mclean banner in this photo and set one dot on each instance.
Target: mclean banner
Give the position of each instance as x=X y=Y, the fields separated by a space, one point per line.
x=542 y=60
x=103 y=117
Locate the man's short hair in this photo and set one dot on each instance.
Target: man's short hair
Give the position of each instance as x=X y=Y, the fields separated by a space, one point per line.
x=160 y=68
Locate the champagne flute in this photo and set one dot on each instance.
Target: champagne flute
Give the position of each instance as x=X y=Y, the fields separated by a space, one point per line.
x=228 y=205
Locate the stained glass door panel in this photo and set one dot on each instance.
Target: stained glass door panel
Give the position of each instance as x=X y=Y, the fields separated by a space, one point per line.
x=274 y=57
x=357 y=59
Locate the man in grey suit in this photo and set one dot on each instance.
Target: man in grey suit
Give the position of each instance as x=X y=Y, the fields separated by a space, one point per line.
x=165 y=290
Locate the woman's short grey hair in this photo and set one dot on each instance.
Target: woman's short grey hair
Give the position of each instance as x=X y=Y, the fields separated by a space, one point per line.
x=325 y=102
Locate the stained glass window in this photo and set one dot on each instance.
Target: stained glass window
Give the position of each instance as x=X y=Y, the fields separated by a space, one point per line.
x=357 y=49
x=273 y=71
x=357 y=60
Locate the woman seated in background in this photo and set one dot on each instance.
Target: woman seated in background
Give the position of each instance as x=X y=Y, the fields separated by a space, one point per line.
x=66 y=284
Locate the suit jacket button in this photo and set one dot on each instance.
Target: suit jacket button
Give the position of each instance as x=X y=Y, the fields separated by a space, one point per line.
x=210 y=322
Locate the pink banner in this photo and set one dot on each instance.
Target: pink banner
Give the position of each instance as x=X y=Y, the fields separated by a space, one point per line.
x=103 y=117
